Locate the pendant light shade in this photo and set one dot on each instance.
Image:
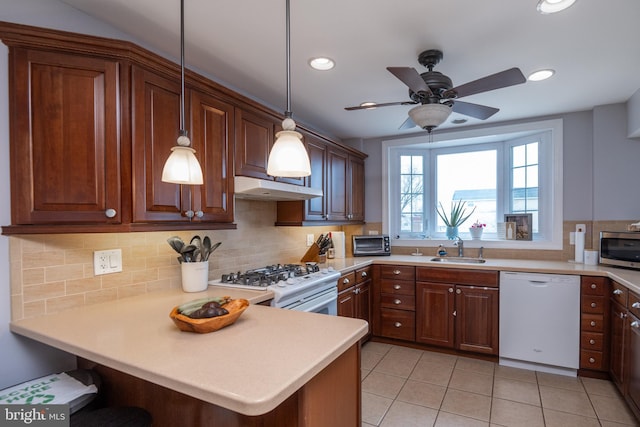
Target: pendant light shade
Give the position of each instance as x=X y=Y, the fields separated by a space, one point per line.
x=288 y=157
x=182 y=166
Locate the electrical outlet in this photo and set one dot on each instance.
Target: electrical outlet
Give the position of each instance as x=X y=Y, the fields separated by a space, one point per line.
x=105 y=262
x=310 y=239
x=581 y=228
x=373 y=232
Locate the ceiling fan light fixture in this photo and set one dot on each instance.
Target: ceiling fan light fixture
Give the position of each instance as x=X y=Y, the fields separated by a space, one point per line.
x=540 y=75
x=322 y=63
x=553 y=6
x=430 y=116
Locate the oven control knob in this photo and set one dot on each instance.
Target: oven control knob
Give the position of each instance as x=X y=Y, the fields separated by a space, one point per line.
x=291 y=281
x=281 y=283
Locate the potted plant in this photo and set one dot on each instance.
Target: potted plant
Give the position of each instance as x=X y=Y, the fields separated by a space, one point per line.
x=194 y=261
x=476 y=230
x=456 y=217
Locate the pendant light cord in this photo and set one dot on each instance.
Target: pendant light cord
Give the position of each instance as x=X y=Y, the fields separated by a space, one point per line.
x=288 y=113
x=182 y=129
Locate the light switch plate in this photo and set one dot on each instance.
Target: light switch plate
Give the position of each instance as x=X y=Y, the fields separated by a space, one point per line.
x=105 y=262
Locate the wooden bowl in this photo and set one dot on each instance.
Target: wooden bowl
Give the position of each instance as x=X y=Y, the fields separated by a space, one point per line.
x=202 y=326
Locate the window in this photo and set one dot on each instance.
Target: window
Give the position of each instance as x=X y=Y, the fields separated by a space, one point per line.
x=507 y=173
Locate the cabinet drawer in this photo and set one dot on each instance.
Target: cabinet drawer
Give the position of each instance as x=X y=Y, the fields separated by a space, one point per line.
x=592 y=304
x=634 y=304
x=346 y=281
x=460 y=277
x=402 y=302
x=592 y=323
x=398 y=324
x=401 y=287
x=619 y=293
x=592 y=360
x=363 y=274
x=594 y=285
x=401 y=272
x=592 y=341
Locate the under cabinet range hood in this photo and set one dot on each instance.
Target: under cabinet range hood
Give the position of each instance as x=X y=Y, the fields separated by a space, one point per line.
x=261 y=189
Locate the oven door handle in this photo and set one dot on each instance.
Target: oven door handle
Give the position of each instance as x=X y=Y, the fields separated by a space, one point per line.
x=322 y=301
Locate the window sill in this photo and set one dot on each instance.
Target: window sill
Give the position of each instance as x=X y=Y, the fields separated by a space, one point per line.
x=488 y=244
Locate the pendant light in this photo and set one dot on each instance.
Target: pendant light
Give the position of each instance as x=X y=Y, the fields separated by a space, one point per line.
x=288 y=157
x=182 y=166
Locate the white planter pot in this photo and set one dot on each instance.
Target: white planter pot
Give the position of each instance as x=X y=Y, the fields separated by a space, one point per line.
x=195 y=276
x=476 y=233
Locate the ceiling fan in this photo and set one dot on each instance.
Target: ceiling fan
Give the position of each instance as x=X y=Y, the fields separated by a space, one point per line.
x=436 y=95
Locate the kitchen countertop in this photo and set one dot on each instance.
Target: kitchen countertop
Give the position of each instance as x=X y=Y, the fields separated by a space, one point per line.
x=249 y=367
x=253 y=365
x=627 y=277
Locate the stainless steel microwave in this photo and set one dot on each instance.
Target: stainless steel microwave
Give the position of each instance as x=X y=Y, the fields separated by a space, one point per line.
x=371 y=245
x=620 y=249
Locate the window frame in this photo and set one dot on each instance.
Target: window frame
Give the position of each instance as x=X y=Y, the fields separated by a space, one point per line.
x=502 y=134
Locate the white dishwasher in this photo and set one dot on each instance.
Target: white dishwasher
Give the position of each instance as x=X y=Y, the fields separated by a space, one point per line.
x=540 y=322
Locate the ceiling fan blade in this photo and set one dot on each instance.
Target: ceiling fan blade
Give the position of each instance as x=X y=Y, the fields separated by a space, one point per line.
x=411 y=78
x=510 y=77
x=407 y=124
x=477 y=111
x=386 y=104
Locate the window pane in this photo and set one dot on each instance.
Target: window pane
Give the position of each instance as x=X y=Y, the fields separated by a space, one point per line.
x=519 y=178
x=524 y=190
x=405 y=164
x=532 y=153
x=472 y=178
x=519 y=156
x=412 y=218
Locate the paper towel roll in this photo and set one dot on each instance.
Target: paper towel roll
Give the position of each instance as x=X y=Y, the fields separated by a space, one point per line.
x=579 y=241
x=338 y=243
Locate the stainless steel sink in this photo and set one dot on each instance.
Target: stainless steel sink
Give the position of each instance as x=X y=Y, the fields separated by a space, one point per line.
x=460 y=260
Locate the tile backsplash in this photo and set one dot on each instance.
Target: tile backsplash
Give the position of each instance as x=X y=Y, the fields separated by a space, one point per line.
x=54 y=272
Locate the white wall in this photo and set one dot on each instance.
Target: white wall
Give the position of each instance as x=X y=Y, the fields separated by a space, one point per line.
x=22 y=359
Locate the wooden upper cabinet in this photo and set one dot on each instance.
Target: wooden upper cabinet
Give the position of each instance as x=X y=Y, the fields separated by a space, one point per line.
x=212 y=127
x=316 y=208
x=65 y=165
x=338 y=182
x=254 y=139
x=156 y=124
x=356 y=189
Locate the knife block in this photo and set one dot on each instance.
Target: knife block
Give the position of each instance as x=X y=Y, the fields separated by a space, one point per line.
x=312 y=254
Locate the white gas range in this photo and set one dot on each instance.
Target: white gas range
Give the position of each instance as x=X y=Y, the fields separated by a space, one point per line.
x=295 y=287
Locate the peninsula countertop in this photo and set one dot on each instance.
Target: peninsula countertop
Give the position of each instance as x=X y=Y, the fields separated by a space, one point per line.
x=249 y=367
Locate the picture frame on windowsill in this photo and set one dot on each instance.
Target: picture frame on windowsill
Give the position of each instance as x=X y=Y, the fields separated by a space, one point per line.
x=523 y=225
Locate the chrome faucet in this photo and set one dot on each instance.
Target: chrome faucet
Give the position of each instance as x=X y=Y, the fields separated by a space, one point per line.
x=460 y=244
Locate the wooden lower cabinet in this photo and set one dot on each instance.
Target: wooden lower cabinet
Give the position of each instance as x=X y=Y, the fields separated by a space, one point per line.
x=617 y=357
x=435 y=308
x=477 y=327
x=594 y=325
x=633 y=365
x=354 y=296
x=331 y=398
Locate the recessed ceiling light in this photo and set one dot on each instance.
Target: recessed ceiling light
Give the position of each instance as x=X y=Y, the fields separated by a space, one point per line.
x=322 y=63
x=553 y=6
x=537 y=76
x=369 y=104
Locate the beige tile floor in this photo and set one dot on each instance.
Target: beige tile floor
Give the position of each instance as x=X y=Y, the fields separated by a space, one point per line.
x=404 y=387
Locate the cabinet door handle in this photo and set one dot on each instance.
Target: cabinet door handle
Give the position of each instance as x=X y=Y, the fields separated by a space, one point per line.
x=199 y=214
x=593 y=286
x=356 y=291
x=110 y=213
x=593 y=323
x=450 y=290
x=592 y=360
x=189 y=214
x=397 y=324
x=345 y=281
x=397 y=301
x=593 y=305
x=363 y=274
x=396 y=287
x=396 y=272
x=458 y=291
x=635 y=324
x=623 y=315
x=592 y=342
x=635 y=305
x=617 y=291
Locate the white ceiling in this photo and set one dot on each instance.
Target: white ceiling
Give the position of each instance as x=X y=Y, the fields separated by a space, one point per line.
x=594 y=46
